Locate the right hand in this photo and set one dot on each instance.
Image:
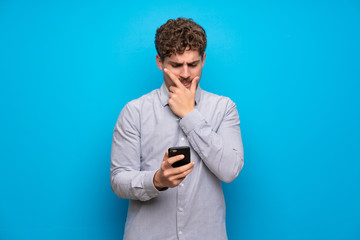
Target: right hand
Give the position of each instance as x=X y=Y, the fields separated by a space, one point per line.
x=170 y=177
x=181 y=99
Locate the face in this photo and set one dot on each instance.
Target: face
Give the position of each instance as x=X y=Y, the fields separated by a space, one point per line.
x=185 y=66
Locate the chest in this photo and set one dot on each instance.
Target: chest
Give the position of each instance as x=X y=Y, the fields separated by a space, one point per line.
x=160 y=130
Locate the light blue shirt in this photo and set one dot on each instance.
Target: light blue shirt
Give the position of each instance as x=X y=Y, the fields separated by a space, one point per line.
x=144 y=131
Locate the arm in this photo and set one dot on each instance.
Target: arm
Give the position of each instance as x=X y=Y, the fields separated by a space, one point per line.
x=127 y=181
x=221 y=151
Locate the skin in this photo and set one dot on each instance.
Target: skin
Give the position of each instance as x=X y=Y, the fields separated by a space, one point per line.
x=182 y=73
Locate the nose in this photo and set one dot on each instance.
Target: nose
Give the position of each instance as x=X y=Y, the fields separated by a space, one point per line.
x=185 y=73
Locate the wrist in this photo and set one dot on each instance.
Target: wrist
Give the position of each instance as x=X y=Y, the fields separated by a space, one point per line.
x=186 y=112
x=157 y=182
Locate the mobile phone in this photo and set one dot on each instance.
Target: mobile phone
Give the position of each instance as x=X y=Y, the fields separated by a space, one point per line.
x=184 y=150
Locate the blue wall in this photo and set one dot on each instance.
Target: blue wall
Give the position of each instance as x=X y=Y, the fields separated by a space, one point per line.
x=292 y=68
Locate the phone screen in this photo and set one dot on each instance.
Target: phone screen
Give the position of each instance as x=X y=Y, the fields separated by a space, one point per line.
x=184 y=150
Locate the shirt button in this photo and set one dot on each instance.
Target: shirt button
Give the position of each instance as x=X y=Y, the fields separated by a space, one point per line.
x=182 y=139
x=181 y=209
x=180 y=232
x=181 y=184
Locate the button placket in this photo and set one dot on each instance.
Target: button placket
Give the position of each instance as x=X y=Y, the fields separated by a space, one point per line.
x=181 y=195
x=180 y=214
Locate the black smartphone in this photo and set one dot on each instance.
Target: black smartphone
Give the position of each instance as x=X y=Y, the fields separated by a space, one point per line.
x=184 y=150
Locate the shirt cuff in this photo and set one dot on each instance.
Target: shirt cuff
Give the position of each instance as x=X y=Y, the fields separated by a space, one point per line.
x=191 y=120
x=149 y=184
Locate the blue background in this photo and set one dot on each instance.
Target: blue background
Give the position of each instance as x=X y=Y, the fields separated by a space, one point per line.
x=292 y=67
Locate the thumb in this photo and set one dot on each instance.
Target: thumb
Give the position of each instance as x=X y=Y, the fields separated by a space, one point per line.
x=166 y=156
x=194 y=84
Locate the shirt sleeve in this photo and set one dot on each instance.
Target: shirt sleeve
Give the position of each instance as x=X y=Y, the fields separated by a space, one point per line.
x=221 y=151
x=127 y=181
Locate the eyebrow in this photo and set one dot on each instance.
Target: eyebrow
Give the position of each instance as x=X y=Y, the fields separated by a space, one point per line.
x=176 y=63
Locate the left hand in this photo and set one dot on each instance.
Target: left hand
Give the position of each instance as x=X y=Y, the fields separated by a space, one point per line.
x=169 y=177
x=181 y=100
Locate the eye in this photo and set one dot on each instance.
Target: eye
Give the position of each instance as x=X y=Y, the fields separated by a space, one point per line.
x=176 y=65
x=193 y=65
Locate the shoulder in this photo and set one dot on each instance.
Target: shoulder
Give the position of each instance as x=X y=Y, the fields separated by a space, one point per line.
x=137 y=104
x=215 y=99
x=133 y=109
x=219 y=105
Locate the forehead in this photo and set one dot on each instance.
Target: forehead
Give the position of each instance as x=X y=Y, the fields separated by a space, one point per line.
x=187 y=57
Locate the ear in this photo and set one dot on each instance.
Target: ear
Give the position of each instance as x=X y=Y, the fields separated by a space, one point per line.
x=159 y=62
x=203 y=59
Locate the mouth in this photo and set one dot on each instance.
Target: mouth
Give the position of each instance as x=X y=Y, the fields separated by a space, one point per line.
x=186 y=84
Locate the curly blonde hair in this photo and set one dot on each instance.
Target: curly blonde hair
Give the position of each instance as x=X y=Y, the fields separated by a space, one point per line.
x=176 y=36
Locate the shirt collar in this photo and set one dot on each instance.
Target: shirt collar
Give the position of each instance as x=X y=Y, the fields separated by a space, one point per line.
x=164 y=95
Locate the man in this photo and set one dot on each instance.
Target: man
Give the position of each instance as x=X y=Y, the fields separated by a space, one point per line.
x=185 y=202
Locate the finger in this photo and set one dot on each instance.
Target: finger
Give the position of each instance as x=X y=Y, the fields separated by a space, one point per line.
x=170 y=160
x=175 y=159
x=172 y=89
x=184 y=168
x=194 y=83
x=177 y=181
x=173 y=78
x=170 y=102
x=166 y=156
x=183 y=174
